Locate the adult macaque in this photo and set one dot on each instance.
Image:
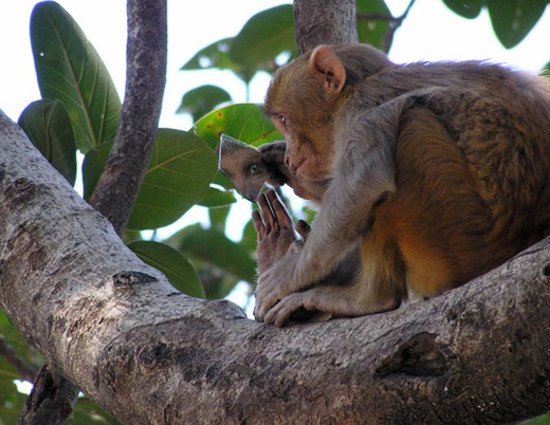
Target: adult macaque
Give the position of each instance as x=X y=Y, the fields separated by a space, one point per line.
x=437 y=171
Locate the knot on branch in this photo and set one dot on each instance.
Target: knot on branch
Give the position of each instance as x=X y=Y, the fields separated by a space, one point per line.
x=419 y=356
x=20 y=192
x=150 y=357
x=128 y=279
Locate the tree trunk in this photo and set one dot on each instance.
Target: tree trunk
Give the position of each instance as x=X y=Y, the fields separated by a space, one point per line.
x=324 y=22
x=148 y=354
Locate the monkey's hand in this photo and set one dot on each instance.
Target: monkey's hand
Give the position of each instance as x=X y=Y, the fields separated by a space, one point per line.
x=275 y=232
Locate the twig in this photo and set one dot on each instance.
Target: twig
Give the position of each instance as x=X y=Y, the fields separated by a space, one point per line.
x=394 y=22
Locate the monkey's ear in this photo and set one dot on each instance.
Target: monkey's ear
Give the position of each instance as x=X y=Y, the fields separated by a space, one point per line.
x=327 y=69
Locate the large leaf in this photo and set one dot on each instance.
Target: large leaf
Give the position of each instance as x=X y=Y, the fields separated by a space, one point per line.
x=179 y=174
x=69 y=69
x=214 y=198
x=513 y=19
x=215 y=248
x=372 y=31
x=216 y=55
x=87 y=413
x=48 y=127
x=11 y=401
x=201 y=100
x=266 y=35
x=245 y=121
x=466 y=8
x=177 y=269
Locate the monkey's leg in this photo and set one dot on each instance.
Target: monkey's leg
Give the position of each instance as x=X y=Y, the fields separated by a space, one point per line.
x=369 y=280
x=338 y=301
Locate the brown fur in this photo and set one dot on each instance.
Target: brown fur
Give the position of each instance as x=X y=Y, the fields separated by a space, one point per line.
x=441 y=169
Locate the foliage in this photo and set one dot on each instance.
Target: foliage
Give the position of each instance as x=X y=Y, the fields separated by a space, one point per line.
x=80 y=110
x=512 y=19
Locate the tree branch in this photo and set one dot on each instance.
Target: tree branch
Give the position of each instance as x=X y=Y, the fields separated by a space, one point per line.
x=121 y=179
x=324 y=22
x=149 y=354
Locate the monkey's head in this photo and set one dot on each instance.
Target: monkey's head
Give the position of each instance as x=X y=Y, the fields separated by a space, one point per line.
x=304 y=97
x=249 y=168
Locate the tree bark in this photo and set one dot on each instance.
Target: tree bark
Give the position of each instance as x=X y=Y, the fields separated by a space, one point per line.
x=148 y=354
x=324 y=22
x=119 y=184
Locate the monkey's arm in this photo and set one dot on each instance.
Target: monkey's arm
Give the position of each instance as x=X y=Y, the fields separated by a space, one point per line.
x=364 y=175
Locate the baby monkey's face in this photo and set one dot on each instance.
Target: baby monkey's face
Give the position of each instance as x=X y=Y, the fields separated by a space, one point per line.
x=248 y=168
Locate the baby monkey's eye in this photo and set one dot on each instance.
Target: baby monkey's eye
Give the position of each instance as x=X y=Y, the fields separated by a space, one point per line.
x=254 y=169
x=280 y=122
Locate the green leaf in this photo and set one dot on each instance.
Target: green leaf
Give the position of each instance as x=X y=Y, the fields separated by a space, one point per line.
x=466 y=8
x=177 y=269
x=266 y=35
x=11 y=400
x=179 y=174
x=202 y=100
x=70 y=70
x=93 y=165
x=513 y=19
x=372 y=31
x=14 y=339
x=249 y=237
x=545 y=71
x=246 y=122
x=87 y=413
x=217 y=198
x=215 y=248
x=216 y=56
x=49 y=128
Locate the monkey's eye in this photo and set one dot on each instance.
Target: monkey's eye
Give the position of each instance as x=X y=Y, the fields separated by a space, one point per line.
x=254 y=169
x=280 y=122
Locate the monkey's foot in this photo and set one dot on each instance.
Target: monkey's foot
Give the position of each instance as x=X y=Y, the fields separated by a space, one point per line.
x=334 y=300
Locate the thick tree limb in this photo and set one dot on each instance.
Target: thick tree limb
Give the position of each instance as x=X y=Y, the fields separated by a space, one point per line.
x=121 y=179
x=324 y=22
x=148 y=354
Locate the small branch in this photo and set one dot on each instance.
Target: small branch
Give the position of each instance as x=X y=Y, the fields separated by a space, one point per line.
x=396 y=24
x=119 y=184
x=26 y=372
x=51 y=400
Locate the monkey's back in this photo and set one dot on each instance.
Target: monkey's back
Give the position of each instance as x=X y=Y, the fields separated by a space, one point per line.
x=473 y=171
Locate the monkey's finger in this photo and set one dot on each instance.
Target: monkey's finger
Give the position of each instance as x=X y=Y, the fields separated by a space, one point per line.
x=258 y=225
x=303 y=229
x=267 y=214
x=279 y=210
